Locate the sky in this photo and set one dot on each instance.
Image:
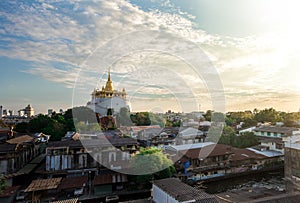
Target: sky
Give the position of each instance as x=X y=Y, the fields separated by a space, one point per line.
x=226 y=55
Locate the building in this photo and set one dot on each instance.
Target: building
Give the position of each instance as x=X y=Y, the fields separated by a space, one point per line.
x=172 y=190
x=1 y=112
x=18 y=157
x=207 y=160
x=270 y=137
x=89 y=164
x=29 y=111
x=275 y=131
x=189 y=136
x=292 y=162
x=50 y=111
x=108 y=100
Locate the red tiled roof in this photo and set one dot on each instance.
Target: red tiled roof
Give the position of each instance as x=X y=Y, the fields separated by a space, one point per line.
x=73 y=182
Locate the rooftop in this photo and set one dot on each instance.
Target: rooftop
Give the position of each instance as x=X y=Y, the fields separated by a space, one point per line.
x=189 y=146
x=208 y=151
x=43 y=184
x=73 y=182
x=276 y=129
x=97 y=142
x=73 y=200
x=183 y=192
x=20 y=140
x=267 y=153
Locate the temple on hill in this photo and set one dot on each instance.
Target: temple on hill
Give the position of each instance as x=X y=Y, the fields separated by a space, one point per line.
x=107 y=100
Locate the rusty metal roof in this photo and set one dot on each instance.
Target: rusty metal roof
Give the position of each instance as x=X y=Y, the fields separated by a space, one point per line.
x=43 y=184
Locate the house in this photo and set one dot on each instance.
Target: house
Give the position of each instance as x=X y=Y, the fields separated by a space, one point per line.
x=156 y=137
x=275 y=131
x=108 y=181
x=73 y=186
x=270 y=137
x=16 y=155
x=134 y=130
x=172 y=190
x=95 y=153
x=189 y=136
x=96 y=160
x=215 y=160
x=43 y=188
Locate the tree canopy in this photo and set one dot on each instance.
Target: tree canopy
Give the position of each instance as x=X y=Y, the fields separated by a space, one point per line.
x=58 y=124
x=152 y=163
x=229 y=137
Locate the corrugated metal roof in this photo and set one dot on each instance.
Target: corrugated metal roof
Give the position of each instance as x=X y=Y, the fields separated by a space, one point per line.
x=73 y=182
x=74 y=200
x=183 y=192
x=20 y=140
x=43 y=184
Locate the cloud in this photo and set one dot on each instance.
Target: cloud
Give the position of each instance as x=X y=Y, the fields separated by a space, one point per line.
x=72 y=33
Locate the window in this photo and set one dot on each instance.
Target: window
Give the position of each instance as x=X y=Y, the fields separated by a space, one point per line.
x=275 y=134
x=262 y=133
x=268 y=133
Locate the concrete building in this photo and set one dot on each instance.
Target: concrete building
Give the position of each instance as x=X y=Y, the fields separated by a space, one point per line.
x=108 y=99
x=271 y=137
x=29 y=111
x=50 y=111
x=275 y=131
x=292 y=162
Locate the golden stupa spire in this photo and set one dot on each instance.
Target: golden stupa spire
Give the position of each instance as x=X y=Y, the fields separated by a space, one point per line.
x=109 y=87
x=108 y=79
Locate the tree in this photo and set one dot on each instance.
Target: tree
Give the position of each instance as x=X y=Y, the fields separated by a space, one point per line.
x=151 y=163
x=246 y=139
x=268 y=115
x=228 y=136
x=208 y=115
x=2 y=184
x=141 y=118
x=22 y=127
x=123 y=118
x=156 y=119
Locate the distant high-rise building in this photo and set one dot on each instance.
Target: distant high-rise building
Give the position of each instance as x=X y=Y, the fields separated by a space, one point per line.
x=11 y=112
x=50 y=111
x=29 y=111
x=1 y=111
x=4 y=112
x=21 y=112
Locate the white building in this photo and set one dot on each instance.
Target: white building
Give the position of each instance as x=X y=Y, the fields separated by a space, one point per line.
x=275 y=131
x=108 y=98
x=271 y=137
x=28 y=111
